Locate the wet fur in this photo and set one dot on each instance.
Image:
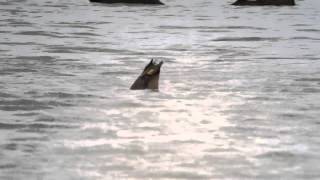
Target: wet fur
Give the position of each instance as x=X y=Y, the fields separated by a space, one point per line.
x=148 y=81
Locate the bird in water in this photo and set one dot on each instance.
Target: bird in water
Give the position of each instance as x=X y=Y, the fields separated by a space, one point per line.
x=149 y=78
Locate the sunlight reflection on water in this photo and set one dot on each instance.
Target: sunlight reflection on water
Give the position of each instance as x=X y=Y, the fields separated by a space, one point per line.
x=238 y=97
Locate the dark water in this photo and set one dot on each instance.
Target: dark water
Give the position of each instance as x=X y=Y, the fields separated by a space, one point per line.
x=239 y=91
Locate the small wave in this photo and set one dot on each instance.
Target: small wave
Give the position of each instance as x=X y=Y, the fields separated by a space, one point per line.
x=15 y=23
x=10 y=146
x=279 y=155
x=85 y=34
x=6 y=95
x=309 y=79
x=252 y=39
x=20 y=43
x=29 y=148
x=5 y=3
x=42 y=33
x=14 y=11
x=26 y=139
x=308 y=30
x=8 y=166
x=121 y=167
x=67 y=95
x=143 y=32
x=24 y=105
x=28 y=105
x=203 y=19
x=73 y=26
x=1 y=50
x=60 y=51
x=80 y=24
x=211 y=27
x=276 y=58
x=73 y=49
x=305 y=38
x=62 y=74
x=44 y=58
x=311 y=90
x=36 y=126
x=301 y=25
x=85 y=49
x=116 y=73
x=265 y=98
x=178 y=47
x=4 y=32
x=46 y=119
x=26 y=114
x=191 y=141
x=14 y=71
x=55 y=6
x=33 y=126
x=10 y=126
x=214 y=31
x=243 y=27
x=172 y=175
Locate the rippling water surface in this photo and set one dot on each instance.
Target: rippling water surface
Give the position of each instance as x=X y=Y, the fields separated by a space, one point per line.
x=239 y=91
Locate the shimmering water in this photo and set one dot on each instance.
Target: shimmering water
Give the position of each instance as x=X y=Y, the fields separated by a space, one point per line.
x=239 y=91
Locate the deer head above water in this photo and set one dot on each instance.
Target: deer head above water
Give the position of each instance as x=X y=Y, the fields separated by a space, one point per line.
x=149 y=78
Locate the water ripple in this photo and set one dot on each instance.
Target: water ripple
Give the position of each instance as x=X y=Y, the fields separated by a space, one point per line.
x=247 y=39
x=238 y=98
x=28 y=105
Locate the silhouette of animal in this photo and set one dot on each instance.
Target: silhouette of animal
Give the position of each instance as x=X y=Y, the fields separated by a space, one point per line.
x=149 y=78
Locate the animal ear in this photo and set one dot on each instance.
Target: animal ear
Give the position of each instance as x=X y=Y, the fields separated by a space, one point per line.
x=150 y=63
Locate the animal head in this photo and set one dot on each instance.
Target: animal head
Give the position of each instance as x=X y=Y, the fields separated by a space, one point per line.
x=149 y=78
x=152 y=69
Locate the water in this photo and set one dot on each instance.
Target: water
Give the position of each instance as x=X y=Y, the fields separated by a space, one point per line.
x=239 y=91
